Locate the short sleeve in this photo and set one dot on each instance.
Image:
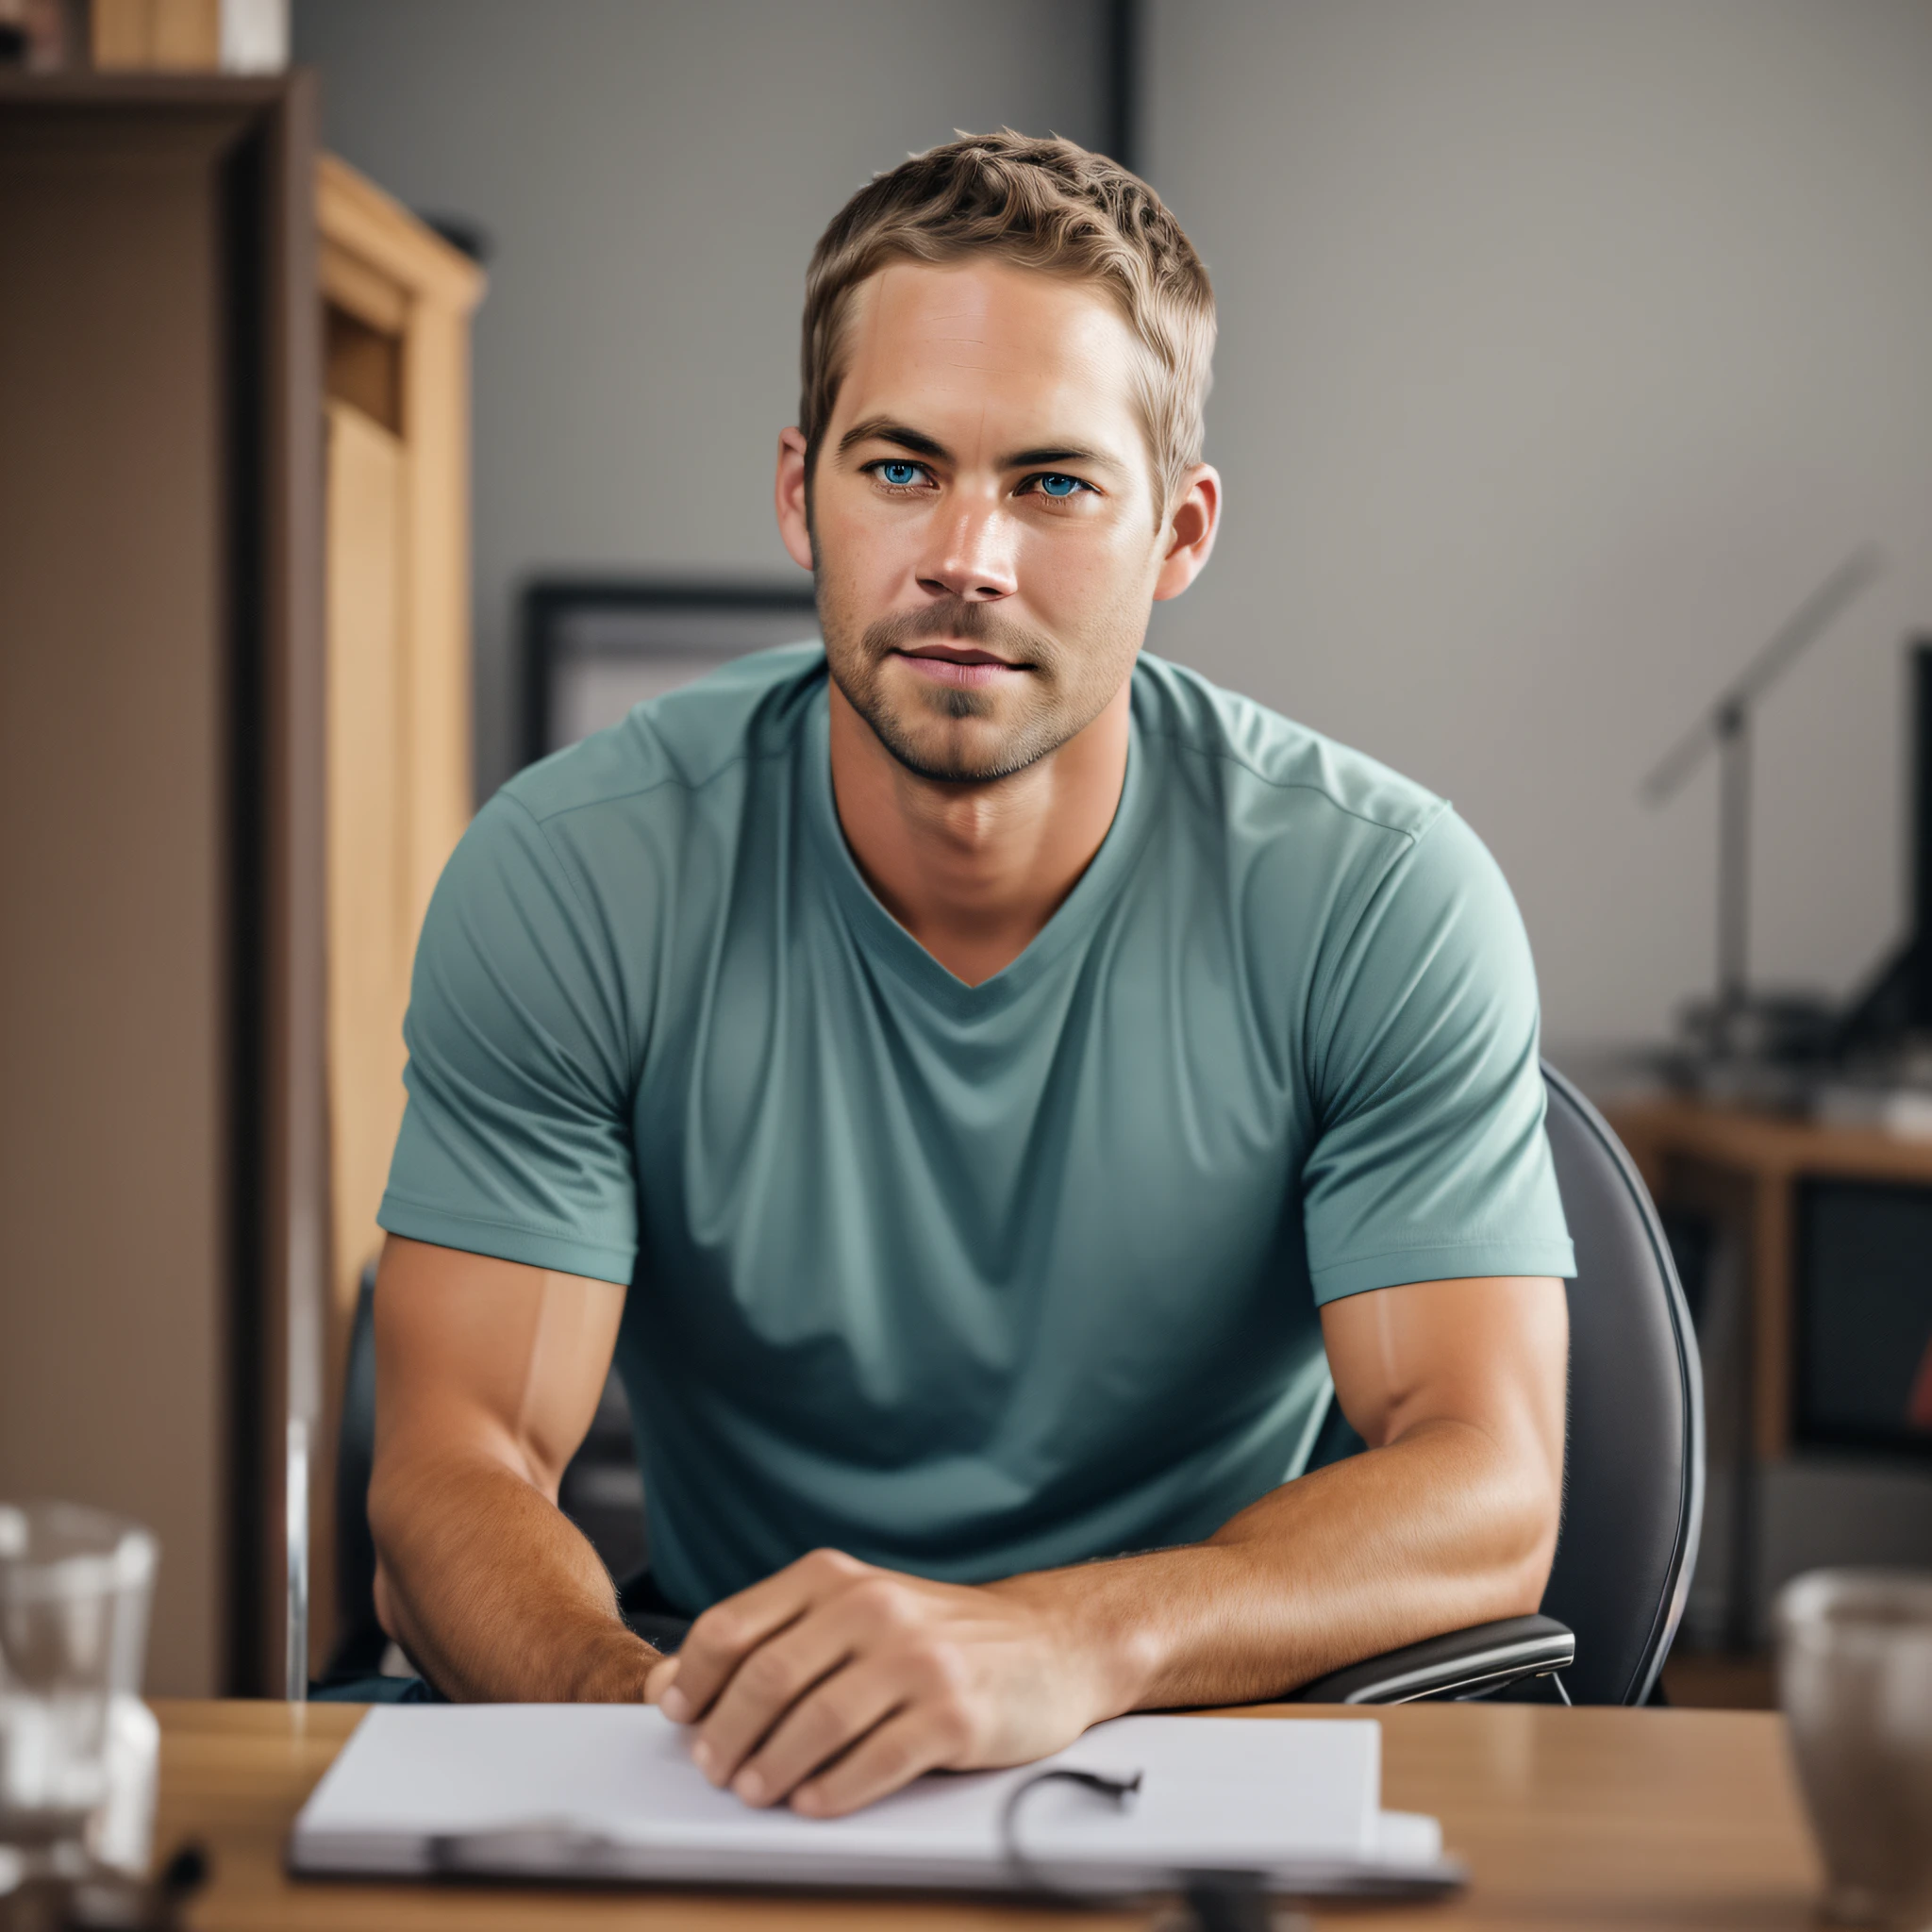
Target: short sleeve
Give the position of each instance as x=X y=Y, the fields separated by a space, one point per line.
x=516 y=1138
x=1430 y=1161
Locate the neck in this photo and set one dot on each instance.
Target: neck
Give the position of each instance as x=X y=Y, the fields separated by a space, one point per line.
x=972 y=871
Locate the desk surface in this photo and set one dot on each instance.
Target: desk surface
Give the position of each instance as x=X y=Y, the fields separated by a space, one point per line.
x=1565 y=1818
x=1759 y=1141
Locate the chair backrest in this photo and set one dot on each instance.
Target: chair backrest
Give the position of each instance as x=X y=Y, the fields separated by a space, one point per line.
x=1633 y=1479
x=359 y=1639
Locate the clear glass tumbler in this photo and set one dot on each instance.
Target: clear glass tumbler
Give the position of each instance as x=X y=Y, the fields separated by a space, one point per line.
x=75 y=1585
x=1854 y=1678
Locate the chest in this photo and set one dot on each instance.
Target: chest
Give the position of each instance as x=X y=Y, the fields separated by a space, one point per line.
x=817 y=1132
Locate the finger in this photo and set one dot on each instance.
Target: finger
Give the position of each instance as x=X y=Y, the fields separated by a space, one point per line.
x=903 y=1747
x=765 y=1685
x=659 y=1678
x=727 y=1632
x=838 y=1711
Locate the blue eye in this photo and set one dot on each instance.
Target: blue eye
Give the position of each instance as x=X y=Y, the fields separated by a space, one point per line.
x=900 y=476
x=1057 y=485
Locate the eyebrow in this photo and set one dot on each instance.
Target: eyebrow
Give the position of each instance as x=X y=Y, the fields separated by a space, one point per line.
x=883 y=429
x=1058 y=453
x=902 y=436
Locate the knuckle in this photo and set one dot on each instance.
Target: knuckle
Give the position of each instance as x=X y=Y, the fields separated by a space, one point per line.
x=828 y=1724
x=954 y=1722
x=716 y=1633
x=882 y=1600
x=941 y=1685
x=947 y=1669
x=832 y=1565
x=767 y=1675
x=930 y=1670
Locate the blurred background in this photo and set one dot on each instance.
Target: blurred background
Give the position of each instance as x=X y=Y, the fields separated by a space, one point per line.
x=1566 y=350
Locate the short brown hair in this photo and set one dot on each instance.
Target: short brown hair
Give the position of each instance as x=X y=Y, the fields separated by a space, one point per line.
x=1045 y=205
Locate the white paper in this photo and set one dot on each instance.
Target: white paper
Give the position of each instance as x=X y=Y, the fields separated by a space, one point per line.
x=610 y=1791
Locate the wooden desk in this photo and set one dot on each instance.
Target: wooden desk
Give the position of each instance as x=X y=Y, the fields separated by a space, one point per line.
x=1681 y=1146
x=1565 y=1818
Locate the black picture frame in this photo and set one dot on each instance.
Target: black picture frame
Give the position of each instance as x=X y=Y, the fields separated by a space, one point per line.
x=572 y=622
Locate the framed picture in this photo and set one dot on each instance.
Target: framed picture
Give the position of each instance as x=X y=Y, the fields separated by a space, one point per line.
x=596 y=646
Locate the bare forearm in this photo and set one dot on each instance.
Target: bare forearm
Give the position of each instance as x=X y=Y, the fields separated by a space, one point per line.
x=494 y=1592
x=1436 y=1531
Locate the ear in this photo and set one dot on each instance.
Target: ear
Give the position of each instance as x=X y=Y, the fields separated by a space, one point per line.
x=794 y=524
x=1190 y=532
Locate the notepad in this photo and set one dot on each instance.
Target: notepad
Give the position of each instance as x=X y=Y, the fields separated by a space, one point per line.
x=607 y=1792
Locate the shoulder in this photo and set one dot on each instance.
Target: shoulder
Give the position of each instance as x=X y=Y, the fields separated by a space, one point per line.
x=1329 y=850
x=1283 y=775
x=607 y=827
x=682 y=743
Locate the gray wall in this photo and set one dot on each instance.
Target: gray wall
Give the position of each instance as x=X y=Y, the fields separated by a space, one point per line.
x=1565 y=345
x=654 y=175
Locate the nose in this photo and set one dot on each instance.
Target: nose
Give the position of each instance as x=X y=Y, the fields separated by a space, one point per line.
x=969 y=555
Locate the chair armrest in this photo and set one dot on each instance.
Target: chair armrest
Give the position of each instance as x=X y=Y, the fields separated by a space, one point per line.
x=1463 y=1663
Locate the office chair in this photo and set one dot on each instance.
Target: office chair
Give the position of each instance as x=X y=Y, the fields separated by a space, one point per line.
x=1633 y=1469
x=360 y=1640
x=1633 y=1466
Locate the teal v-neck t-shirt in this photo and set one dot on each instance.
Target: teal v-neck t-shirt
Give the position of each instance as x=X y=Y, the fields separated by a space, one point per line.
x=969 y=1280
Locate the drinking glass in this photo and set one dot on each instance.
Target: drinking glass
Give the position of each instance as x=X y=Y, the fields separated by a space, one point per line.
x=73 y=1599
x=1854 y=1678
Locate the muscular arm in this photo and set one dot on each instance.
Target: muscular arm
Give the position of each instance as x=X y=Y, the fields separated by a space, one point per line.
x=1449 y=1519
x=487 y=1375
x=833 y=1682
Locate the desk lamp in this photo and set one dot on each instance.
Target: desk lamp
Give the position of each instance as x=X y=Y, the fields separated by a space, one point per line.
x=1738 y=1031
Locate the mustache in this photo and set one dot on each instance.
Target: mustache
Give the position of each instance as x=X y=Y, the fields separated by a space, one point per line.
x=983 y=624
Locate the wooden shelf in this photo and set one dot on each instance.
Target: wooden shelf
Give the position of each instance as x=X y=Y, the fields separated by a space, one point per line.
x=1679 y=1144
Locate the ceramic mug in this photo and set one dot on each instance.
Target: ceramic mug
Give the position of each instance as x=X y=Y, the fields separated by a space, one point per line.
x=1854 y=1678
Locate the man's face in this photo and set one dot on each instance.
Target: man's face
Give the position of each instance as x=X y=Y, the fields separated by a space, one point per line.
x=983 y=520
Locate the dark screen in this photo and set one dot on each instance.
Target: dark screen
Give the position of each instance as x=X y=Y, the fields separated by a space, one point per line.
x=1864 y=1363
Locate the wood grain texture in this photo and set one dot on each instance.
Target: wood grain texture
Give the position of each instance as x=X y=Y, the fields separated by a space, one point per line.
x=156 y=34
x=370 y=924
x=398 y=301
x=1600 y=1819
x=113 y=847
x=1767 y=1142
x=156 y=486
x=378 y=231
x=374 y=298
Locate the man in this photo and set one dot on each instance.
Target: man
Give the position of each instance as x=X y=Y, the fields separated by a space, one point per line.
x=982 y=1083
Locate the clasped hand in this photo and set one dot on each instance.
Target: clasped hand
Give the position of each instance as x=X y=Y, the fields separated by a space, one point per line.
x=834 y=1683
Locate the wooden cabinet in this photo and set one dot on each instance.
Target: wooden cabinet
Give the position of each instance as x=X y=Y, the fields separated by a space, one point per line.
x=396 y=302
x=234 y=752
x=162 y=1153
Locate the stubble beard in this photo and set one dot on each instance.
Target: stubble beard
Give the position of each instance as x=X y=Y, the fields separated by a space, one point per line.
x=1063 y=692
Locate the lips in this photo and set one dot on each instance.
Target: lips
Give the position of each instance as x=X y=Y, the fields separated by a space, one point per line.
x=955 y=654
x=959 y=664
